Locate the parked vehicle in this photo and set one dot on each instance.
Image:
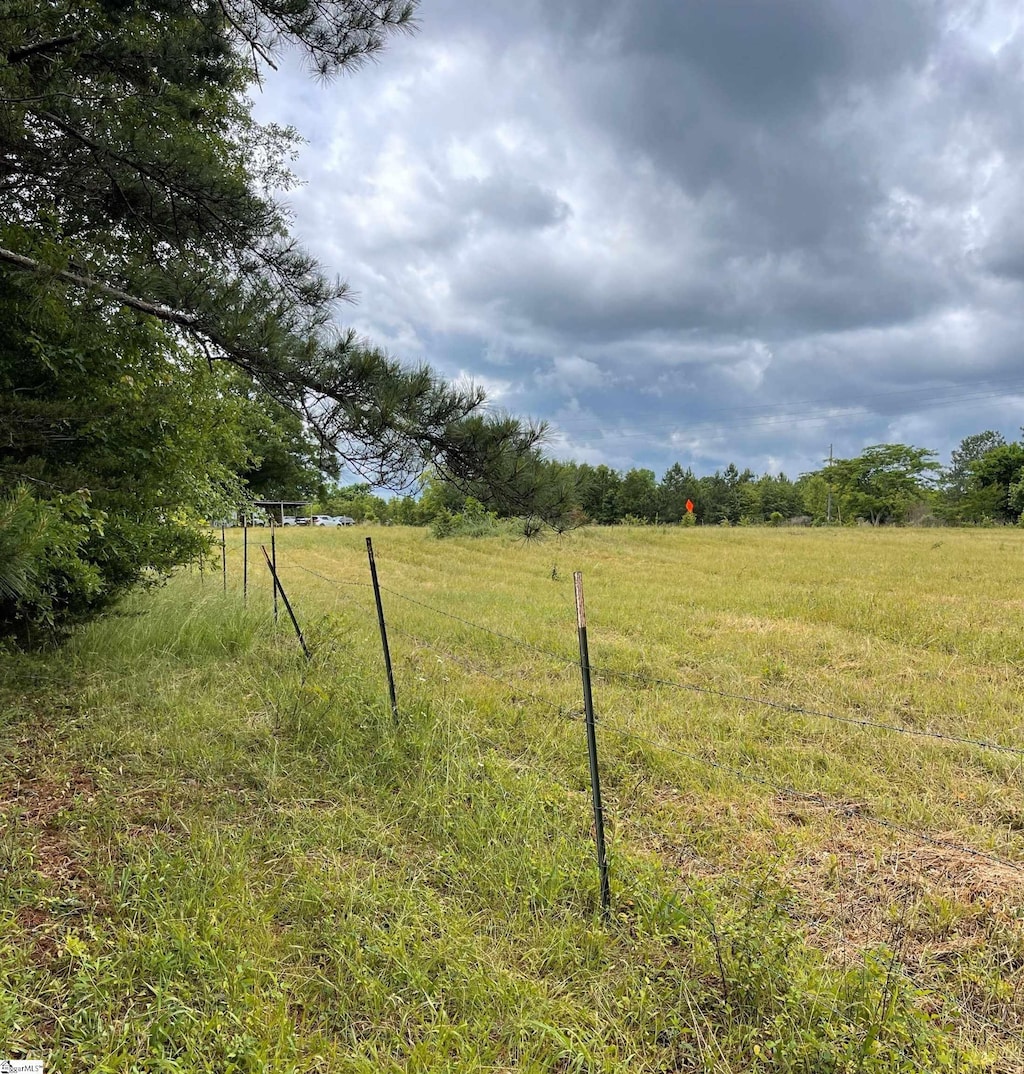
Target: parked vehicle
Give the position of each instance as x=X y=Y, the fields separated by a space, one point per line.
x=289 y=520
x=333 y=520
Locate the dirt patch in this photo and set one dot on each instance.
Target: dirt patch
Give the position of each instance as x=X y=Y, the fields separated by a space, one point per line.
x=41 y=929
x=40 y=800
x=37 y=806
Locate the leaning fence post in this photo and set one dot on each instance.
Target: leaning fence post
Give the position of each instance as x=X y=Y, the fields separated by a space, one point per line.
x=245 y=557
x=595 y=779
x=224 y=557
x=287 y=603
x=383 y=628
x=273 y=561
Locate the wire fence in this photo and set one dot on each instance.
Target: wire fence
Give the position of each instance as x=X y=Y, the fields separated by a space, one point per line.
x=652 y=680
x=535 y=755
x=572 y=711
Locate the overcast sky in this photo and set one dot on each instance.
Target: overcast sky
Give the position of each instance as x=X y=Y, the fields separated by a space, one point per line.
x=693 y=230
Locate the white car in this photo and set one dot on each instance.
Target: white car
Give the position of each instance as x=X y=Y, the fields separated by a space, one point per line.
x=325 y=520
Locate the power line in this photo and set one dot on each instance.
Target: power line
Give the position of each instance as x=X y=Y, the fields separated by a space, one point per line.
x=766 y=415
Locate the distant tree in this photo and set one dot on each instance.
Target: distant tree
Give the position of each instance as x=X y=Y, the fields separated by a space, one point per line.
x=993 y=477
x=779 y=495
x=406 y=511
x=1015 y=497
x=637 y=496
x=814 y=490
x=596 y=491
x=677 y=486
x=956 y=478
x=357 y=501
x=882 y=483
x=716 y=499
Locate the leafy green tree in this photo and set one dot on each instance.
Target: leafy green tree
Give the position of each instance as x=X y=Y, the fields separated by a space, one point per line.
x=956 y=478
x=439 y=496
x=115 y=462
x=882 y=483
x=1015 y=497
x=814 y=490
x=596 y=491
x=406 y=511
x=356 y=501
x=779 y=495
x=144 y=255
x=720 y=495
x=992 y=479
x=286 y=463
x=135 y=176
x=637 y=496
x=677 y=486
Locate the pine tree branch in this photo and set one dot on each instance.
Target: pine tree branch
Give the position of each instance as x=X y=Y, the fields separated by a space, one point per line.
x=16 y=55
x=90 y=283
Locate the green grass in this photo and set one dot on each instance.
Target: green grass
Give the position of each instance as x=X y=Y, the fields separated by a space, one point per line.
x=217 y=856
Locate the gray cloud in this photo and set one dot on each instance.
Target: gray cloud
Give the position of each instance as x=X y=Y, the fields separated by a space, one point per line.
x=642 y=219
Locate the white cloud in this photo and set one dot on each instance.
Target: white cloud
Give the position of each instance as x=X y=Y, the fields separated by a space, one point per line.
x=621 y=214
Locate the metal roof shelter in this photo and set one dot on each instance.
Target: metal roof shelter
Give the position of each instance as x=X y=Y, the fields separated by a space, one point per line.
x=278 y=507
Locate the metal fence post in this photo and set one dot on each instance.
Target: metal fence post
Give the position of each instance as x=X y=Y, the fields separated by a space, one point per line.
x=287 y=603
x=383 y=628
x=245 y=557
x=224 y=556
x=595 y=779
x=273 y=561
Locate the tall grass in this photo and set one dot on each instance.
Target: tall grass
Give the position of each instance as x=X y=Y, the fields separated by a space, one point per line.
x=218 y=856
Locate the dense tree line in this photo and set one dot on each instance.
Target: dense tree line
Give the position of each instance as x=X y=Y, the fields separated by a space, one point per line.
x=886 y=484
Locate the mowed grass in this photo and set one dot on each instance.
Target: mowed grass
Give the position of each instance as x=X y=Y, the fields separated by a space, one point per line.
x=219 y=856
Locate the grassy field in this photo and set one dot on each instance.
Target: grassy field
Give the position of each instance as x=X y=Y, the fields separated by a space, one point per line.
x=217 y=856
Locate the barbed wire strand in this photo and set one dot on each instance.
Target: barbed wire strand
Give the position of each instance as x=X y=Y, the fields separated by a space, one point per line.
x=785 y=706
x=324 y=577
x=476 y=669
x=561 y=657
x=787 y=792
x=814 y=799
x=778 y=706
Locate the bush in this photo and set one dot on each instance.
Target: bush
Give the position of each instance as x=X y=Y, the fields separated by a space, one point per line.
x=42 y=571
x=474 y=520
x=62 y=560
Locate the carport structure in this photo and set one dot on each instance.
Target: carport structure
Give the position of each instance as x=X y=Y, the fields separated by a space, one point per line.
x=278 y=508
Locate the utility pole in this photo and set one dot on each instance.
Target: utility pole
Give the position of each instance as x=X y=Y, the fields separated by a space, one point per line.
x=828 y=509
